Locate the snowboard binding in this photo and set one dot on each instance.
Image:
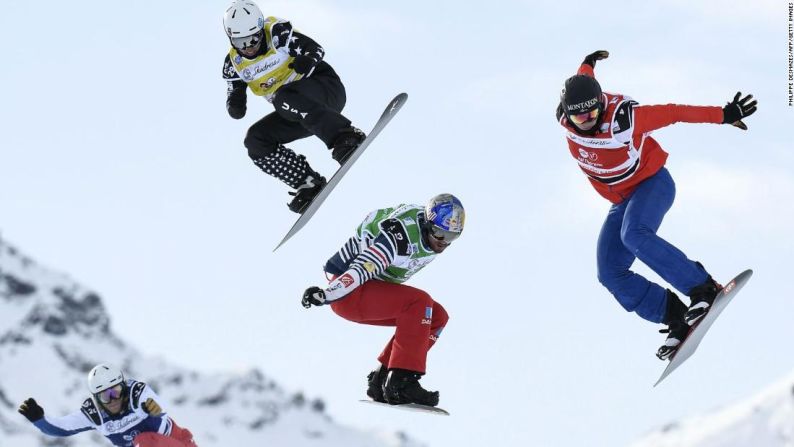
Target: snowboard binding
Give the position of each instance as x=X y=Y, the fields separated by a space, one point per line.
x=375 y=381
x=306 y=192
x=346 y=142
x=402 y=387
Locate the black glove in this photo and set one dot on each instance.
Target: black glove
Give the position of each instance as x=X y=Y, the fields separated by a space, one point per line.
x=303 y=64
x=591 y=59
x=313 y=296
x=236 y=99
x=734 y=111
x=31 y=410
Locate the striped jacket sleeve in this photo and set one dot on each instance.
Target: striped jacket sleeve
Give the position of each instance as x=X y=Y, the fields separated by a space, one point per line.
x=371 y=261
x=340 y=261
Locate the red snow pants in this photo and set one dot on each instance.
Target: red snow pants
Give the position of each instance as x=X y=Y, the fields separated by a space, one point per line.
x=419 y=320
x=180 y=437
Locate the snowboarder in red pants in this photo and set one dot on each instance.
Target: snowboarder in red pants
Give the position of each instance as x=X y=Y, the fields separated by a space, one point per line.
x=368 y=271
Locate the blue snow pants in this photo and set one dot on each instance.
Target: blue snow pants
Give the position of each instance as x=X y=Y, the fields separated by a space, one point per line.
x=629 y=233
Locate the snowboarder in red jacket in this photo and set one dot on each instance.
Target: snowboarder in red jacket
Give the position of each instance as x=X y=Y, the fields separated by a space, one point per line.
x=609 y=136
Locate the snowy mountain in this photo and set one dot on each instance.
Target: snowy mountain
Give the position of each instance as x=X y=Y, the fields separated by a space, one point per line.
x=764 y=420
x=53 y=331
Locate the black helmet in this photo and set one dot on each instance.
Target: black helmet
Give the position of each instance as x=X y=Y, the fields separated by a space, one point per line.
x=581 y=94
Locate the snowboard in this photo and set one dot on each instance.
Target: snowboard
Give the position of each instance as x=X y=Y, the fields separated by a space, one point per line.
x=698 y=331
x=394 y=106
x=410 y=407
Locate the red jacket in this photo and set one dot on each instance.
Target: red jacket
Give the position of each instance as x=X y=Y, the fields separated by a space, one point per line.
x=621 y=154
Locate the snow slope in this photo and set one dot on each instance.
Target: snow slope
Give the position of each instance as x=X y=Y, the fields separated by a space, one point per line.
x=53 y=331
x=764 y=420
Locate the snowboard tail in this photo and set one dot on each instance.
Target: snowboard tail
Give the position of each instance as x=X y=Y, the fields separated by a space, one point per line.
x=701 y=327
x=411 y=407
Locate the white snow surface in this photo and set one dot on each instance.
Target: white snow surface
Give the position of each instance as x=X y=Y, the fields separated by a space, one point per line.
x=53 y=331
x=763 y=420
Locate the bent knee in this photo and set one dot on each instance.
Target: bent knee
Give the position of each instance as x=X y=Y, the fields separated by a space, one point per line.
x=258 y=147
x=633 y=237
x=422 y=298
x=440 y=316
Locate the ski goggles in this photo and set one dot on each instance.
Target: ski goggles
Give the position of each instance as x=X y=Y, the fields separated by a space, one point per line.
x=110 y=394
x=442 y=235
x=244 y=43
x=581 y=118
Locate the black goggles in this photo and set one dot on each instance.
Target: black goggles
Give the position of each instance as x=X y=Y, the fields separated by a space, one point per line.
x=244 y=43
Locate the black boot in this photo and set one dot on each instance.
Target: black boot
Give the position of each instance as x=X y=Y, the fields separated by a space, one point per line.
x=402 y=387
x=305 y=193
x=375 y=381
x=677 y=329
x=345 y=143
x=702 y=298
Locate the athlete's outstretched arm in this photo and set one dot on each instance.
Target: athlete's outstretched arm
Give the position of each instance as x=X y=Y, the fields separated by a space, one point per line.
x=60 y=426
x=648 y=118
x=652 y=117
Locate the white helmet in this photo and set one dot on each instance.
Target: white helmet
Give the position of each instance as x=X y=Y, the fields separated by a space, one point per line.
x=104 y=376
x=243 y=22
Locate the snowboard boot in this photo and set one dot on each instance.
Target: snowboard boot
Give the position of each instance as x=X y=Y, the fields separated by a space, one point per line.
x=345 y=143
x=702 y=298
x=677 y=329
x=375 y=381
x=305 y=193
x=402 y=387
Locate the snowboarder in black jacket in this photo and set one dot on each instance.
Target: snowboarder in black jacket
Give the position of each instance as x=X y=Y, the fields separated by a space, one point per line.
x=286 y=67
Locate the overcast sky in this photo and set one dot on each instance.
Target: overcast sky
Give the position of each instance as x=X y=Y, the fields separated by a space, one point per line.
x=119 y=165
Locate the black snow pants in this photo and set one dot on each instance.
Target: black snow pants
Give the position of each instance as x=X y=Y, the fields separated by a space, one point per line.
x=310 y=106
